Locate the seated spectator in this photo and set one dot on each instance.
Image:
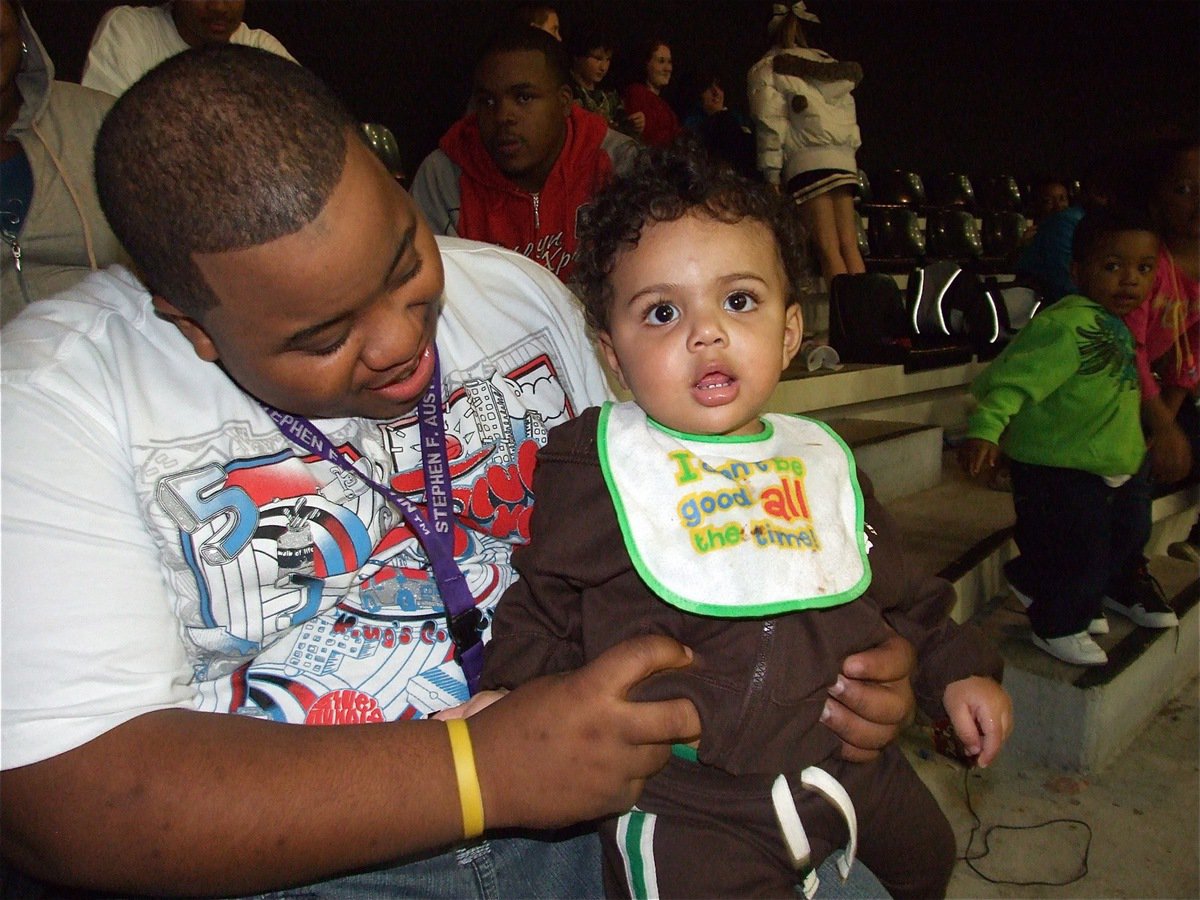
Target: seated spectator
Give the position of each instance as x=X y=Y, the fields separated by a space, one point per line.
x=1166 y=328
x=132 y=40
x=728 y=136
x=516 y=170
x=645 y=96
x=1049 y=196
x=54 y=231
x=540 y=15
x=1045 y=263
x=591 y=57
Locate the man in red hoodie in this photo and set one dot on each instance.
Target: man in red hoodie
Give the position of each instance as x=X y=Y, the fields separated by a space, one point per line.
x=516 y=169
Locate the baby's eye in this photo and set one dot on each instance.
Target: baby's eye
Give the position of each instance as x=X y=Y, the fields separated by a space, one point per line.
x=740 y=301
x=661 y=314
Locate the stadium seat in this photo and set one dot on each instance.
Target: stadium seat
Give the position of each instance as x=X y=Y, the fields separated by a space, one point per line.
x=895 y=239
x=383 y=142
x=899 y=188
x=951 y=189
x=864 y=188
x=998 y=193
x=1001 y=236
x=951 y=233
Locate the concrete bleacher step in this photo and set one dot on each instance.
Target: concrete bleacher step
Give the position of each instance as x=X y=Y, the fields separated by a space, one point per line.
x=962 y=530
x=1069 y=717
x=1080 y=718
x=901 y=458
x=865 y=391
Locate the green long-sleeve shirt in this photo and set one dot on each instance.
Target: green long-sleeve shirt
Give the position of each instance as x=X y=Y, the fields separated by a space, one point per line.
x=1065 y=392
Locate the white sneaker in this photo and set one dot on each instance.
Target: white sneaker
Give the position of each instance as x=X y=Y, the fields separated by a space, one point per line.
x=1077 y=649
x=1098 y=625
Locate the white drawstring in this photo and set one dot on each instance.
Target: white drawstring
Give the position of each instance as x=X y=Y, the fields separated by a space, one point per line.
x=87 y=228
x=816 y=779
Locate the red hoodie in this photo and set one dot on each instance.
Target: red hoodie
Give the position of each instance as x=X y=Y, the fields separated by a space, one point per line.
x=542 y=225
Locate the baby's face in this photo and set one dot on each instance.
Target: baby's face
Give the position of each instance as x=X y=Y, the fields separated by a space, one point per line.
x=699 y=329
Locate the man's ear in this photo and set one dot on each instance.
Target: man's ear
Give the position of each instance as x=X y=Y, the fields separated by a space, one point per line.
x=793 y=333
x=191 y=329
x=610 y=356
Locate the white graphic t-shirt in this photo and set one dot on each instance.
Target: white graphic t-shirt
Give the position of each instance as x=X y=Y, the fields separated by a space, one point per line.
x=196 y=558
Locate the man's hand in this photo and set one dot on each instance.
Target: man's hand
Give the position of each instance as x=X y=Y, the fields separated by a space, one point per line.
x=566 y=748
x=872 y=698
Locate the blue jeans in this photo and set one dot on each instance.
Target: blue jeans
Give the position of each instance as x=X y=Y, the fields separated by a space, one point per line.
x=516 y=867
x=523 y=868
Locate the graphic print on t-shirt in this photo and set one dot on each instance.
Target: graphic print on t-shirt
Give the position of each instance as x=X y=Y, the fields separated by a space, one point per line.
x=313 y=601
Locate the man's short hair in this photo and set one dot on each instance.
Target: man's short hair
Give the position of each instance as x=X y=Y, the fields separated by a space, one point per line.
x=516 y=38
x=665 y=184
x=216 y=149
x=1105 y=220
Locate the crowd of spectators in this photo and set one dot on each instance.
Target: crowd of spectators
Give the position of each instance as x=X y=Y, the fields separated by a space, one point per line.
x=230 y=258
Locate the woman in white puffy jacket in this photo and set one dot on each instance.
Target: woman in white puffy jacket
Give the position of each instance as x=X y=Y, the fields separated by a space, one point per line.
x=807 y=134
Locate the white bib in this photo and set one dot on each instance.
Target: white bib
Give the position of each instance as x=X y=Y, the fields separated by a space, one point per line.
x=737 y=526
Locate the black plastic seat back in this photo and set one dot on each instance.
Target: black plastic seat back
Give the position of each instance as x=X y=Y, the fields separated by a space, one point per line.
x=951 y=189
x=998 y=193
x=952 y=233
x=894 y=232
x=899 y=187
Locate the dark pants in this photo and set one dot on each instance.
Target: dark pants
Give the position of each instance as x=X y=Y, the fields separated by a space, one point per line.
x=1078 y=538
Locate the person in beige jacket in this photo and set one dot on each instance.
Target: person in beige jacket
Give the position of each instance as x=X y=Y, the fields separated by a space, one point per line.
x=53 y=230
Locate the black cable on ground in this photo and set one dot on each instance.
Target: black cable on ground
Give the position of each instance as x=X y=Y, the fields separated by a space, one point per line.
x=987 y=832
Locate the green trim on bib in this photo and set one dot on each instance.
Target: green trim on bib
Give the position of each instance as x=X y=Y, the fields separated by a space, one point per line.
x=766 y=434
x=741 y=609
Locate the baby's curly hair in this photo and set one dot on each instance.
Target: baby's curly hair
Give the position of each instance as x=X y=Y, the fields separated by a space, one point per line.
x=663 y=185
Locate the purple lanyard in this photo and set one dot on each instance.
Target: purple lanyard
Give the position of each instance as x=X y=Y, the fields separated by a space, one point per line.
x=436 y=533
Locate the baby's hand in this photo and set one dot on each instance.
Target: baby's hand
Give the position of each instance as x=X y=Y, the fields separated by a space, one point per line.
x=981 y=712
x=976 y=454
x=480 y=701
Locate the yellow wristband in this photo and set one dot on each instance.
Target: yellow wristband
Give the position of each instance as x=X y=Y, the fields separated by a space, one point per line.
x=469 y=794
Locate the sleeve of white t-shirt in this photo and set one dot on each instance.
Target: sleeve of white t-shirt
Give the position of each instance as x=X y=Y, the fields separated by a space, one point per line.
x=264 y=40
x=89 y=640
x=128 y=42
x=521 y=297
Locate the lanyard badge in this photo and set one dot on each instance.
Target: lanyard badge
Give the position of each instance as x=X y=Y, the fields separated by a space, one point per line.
x=436 y=533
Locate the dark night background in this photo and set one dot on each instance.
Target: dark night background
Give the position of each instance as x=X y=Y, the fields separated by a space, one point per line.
x=986 y=87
